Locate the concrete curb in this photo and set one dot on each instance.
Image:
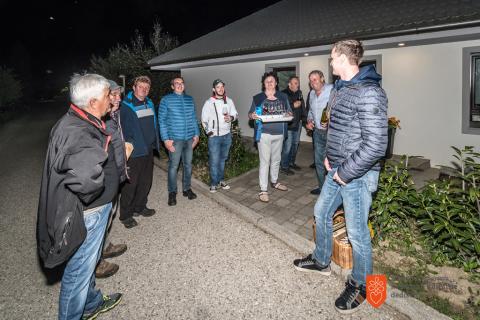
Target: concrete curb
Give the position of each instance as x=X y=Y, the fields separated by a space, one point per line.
x=397 y=299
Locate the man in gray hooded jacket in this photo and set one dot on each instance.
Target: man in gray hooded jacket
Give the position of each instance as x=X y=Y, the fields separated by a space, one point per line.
x=356 y=141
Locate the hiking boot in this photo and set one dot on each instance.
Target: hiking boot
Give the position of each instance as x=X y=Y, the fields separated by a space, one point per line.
x=109 y=302
x=352 y=297
x=316 y=191
x=287 y=171
x=129 y=223
x=295 y=167
x=308 y=264
x=105 y=269
x=224 y=185
x=172 y=198
x=145 y=212
x=113 y=250
x=213 y=189
x=189 y=193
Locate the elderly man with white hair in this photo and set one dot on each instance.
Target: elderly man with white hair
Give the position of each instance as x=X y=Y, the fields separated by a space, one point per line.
x=79 y=181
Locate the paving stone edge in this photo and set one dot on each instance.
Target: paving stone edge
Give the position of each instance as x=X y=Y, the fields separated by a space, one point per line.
x=397 y=299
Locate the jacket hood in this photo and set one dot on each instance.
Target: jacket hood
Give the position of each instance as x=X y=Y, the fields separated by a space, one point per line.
x=367 y=73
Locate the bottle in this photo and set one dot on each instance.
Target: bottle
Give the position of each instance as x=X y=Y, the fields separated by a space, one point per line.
x=325 y=116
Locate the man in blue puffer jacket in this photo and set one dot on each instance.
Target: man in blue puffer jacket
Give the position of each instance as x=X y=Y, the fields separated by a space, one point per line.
x=356 y=141
x=179 y=131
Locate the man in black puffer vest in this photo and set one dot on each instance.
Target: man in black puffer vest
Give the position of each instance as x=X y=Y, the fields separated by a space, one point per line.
x=356 y=141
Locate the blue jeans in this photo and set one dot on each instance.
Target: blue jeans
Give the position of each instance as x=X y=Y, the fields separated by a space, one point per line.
x=218 y=148
x=320 y=149
x=77 y=292
x=183 y=151
x=357 y=198
x=290 y=147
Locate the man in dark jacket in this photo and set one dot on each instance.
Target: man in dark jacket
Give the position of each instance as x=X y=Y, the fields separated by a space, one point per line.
x=290 y=144
x=137 y=116
x=122 y=150
x=356 y=141
x=78 y=185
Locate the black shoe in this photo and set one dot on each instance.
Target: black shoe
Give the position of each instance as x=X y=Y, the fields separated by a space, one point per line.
x=316 y=191
x=145 y=212
x=172 y=198
x=351 y=298
x=295 y=167
x=308 y=264
x=189 y=193
x=313 y=166
x=129 y=223
x=287 y=171
x=109 y=302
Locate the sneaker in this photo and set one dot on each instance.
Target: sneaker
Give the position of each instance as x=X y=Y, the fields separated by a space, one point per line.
x=109 y=302
x=129 y=223
x=213 y=189
x=105 y=269
x=295 y=167
x=189 y=194
x=308 y=264
x=316 y=191
x=352 y=297
x=145 y=212
x=287 y=171
x=224 y=185
x=172 y=198
x=114 y=250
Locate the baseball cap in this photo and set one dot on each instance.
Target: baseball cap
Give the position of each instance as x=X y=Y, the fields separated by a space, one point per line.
x=115 y=86
x=217 y=81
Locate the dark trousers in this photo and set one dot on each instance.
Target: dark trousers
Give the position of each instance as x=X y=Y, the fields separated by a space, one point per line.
x=135 y=191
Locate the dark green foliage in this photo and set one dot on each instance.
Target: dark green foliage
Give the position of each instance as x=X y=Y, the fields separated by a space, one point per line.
x=445 y=213
x=393 y=205
x=131 y=61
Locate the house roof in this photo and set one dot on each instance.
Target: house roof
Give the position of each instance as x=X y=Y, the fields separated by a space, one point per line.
x=291 y=24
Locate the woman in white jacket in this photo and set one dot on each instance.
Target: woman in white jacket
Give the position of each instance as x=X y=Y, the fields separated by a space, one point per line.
x=217 y=115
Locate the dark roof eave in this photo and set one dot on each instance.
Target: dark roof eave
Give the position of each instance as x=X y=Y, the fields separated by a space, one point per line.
x=378 y=35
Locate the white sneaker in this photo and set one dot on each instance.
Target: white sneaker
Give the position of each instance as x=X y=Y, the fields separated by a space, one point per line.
x=213 y=189
x=224 y=185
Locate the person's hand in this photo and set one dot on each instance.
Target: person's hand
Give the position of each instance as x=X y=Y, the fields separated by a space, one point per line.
x=227 y=118
x=297 y=104
x=253 y=116
x=309 y=125
x=169 y=145
x=128 y=149
x=326 y=163
x=337 y=178
x=195 y=142
x=289 y=114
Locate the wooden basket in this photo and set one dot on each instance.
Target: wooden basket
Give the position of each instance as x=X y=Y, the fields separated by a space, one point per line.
x=342 y=249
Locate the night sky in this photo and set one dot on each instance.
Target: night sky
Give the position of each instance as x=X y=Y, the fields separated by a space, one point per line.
x=61 y=36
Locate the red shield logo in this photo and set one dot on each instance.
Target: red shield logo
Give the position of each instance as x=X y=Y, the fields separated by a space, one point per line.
x=376 y=289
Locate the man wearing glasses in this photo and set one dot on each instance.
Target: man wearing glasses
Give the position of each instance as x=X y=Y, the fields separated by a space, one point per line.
x=179 y=131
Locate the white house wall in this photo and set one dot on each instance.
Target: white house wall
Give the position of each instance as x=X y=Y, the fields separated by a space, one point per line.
x=423 y=85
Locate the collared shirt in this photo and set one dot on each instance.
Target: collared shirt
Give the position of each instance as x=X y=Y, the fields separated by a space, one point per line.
x=318 y=103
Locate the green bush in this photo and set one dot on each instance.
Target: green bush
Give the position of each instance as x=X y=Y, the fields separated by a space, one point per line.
x=449 y=213
x=10 y=89
x=131 y=61
x=394 y=203
x=446 y=213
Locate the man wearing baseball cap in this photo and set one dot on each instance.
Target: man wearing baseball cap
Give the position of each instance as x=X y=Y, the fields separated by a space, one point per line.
x=217 y=115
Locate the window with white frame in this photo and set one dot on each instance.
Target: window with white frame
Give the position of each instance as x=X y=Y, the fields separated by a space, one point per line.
x=471 y=91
